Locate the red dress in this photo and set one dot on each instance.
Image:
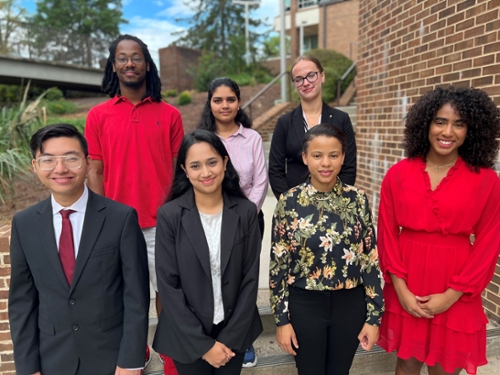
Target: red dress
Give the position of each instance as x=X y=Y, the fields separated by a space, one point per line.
x=424 y=238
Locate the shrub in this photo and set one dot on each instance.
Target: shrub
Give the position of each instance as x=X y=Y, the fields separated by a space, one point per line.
x=169 y=93
x=54 y=94
x=60 y=107
x=184 y=98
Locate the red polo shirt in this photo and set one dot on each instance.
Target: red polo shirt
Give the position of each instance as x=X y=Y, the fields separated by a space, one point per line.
x=136 y=145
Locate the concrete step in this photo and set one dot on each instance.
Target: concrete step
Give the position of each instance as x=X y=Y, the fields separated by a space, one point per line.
x=273 y=361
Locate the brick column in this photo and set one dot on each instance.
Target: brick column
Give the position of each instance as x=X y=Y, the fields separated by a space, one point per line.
x=6 y=353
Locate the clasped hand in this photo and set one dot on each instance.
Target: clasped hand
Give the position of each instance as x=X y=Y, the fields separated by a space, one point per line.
x=218 y=355
x=428 y=306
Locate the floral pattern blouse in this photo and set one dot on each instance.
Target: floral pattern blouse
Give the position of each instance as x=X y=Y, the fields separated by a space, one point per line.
x=324 y=242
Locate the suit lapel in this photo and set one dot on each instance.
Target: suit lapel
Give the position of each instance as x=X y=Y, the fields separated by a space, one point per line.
x=191 y=223
x=326 y=115
x=230 y=222
x=44 y=224
x=298 y=123
x=92 y=224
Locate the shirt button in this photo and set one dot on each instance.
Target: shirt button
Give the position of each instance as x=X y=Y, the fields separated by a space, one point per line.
x=72 y=302
x=75 y=327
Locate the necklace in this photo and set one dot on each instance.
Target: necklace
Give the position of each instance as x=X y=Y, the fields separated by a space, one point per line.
x=439 y=167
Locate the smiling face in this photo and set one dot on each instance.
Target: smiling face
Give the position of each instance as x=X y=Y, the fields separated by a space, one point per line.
x=447 y=133
x=205 y=169
x=224 y=105
x=130 y=74
x=308 y=91
x=66 y=185
x=324 y=158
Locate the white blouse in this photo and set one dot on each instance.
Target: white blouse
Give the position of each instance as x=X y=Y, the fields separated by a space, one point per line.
x=212 y=225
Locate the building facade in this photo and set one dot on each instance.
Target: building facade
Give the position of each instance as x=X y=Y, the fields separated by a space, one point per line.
x=329 y=24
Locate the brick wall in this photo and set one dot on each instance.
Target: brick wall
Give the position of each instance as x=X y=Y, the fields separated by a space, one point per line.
x=6 y=355
x=175 y=64
x=341 y=27
x=406 y=48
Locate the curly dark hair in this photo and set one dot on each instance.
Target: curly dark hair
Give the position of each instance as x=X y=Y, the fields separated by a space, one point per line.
x=110 y=83
x=207 y=121
x=476 y=109
x=181 y=184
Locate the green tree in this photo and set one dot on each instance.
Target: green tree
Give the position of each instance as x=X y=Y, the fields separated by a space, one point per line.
x=271 y=46
x=11 y=16
x=219 y=26
x=81 y=30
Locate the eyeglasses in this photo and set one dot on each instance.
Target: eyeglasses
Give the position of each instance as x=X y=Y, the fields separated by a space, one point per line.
x=311 y=77
x=48 y=163
x=136 y=60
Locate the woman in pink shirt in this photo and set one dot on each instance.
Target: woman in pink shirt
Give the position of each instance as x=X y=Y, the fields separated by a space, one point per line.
x=222 y=114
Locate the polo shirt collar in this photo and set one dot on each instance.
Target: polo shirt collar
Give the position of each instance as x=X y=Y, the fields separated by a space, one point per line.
x=119 y=98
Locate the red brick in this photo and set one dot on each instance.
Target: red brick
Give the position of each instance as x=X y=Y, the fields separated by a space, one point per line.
x=452 y=58
x=493 y=47
x=462 y=65
x=490 y=16
x=5 y=336
x=483 y=81
x=4 y=271
x=488 y=38
x=493 y=69
x=456 y=18
x=467 y=24
x=466 y=44
x=476 y=31
x=462 y=84
x=472 y=12
x=484 y=60
x=4 y=347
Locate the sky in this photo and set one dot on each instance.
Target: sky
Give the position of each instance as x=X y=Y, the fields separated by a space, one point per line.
x=153 y=21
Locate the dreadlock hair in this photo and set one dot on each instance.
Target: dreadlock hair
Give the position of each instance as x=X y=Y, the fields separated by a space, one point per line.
x=207 y=121
x=110 y=83
x=476 y=109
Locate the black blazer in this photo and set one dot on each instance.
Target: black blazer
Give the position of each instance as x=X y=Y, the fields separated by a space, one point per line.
x=101 y=320
x=286 y=168
x=185 y=281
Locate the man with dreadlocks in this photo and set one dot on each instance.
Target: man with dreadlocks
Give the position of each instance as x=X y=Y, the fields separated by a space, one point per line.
x=133 y=139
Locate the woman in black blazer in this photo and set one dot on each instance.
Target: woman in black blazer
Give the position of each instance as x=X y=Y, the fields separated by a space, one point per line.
x=286 y=168
x=207 y=263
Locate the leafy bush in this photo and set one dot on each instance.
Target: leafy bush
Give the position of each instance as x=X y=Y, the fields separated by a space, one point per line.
x=184 y=98
x=335 y=65
x=60 y=107
x=10 y=93
x=54 y=94
x=169 y=93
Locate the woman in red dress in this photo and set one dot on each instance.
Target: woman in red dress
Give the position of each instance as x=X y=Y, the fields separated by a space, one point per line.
x=439 y=233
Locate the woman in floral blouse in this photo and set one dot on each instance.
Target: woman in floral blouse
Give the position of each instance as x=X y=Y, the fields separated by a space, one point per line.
x=324 y=273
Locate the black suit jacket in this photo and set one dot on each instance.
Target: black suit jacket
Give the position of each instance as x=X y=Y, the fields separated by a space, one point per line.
x=286 y=168
x=185 y=281
x=101 y=320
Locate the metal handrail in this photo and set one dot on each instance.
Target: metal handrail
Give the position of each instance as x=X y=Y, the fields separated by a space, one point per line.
x=341 y=79
x=264 y=89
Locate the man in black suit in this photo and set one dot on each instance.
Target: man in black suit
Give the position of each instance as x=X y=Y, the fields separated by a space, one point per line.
x=79 y=292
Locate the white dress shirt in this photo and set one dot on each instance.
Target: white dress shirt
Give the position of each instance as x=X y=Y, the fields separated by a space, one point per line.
x=76 y=218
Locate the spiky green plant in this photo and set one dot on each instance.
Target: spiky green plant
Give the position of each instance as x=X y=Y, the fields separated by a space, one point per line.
x=17 y=124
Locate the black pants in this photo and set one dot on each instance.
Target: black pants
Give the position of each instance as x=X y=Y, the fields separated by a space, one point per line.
x=202 y=367
x=327 y=325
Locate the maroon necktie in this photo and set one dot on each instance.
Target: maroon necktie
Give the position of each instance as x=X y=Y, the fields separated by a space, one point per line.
x=66 y=246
